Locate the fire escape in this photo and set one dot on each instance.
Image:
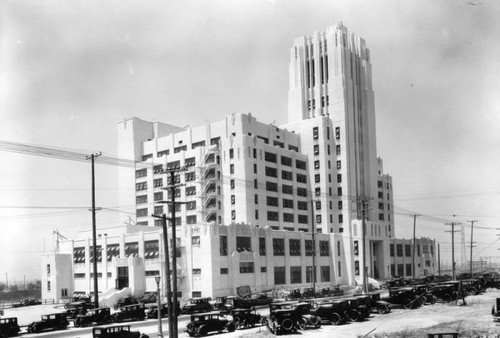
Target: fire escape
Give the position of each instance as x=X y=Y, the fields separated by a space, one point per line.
x=210 y=185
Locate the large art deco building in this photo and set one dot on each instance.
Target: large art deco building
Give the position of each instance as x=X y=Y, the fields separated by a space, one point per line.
x=253 y=193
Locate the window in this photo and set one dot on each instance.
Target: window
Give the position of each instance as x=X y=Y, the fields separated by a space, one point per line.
x=132 y=249
x=256 y=214
x=318 y=219
x=270 y=157
x=316 y=149
x=287 y=189
x=301 y=178
x=309 y=274
x=427 y=264
x=141 y=212
x=317 y=178
x=233 y=199
x=286 y=175
x=340 y=205
x=399 y=250
x=158 y=196
x=271 y=186
x=294 y=246
x=112 y=250
x=191 y=205
x=271 y=172
x=425 y=249
x=318 y=205
x=179 y=149
x=224 y=271
x=287 y=217
x=315 y=133
x=341 y=218
x=254 y=153
x=356 y=268
x=196 y=271
x=190 y=191
x=263 y=269
x=231 y=168
x=301 y=205
x=339 y=178
x=231 y=153
x=158 y=210
x=286 y=161
x=141 y=186
x=233 y=214
x=338 y=249
x=232 y=184
x=279 y=275
x=262 y=246
x=151 y=249
x=308 y=247
x=195 y=241
x=407 y=250
x=255 y=168
x=356 y=248
x=408 y=270
x=302 y=192
x=141 y=199
x=302 y=219
x=337 y=133
x=339 y=268
x=300 y=164
x=317 y=191
x=223 y=245
x=278 y=247
x=272 y=201
x=316 y=164
x=255 y=184
x=325 y=273
x=272 y=216
x=256 y=199
x=191 y=219
x=337 y=148
x=141 y=173
x=339 y=164
x=339 y=191
x=295 y=274
x=391 y=250
x=324 y=248
x=243 y=244
x=246 y=267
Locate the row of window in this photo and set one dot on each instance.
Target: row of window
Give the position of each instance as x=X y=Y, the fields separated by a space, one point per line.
x=408 y=250
x=244 y=243
x=279 y=272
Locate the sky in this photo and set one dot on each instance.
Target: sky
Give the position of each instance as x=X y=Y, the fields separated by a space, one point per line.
x=69 y=71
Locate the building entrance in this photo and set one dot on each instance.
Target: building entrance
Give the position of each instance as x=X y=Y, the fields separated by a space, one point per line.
x=122 y=280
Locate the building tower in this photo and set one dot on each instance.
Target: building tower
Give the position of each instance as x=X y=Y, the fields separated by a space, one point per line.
x=331 y=105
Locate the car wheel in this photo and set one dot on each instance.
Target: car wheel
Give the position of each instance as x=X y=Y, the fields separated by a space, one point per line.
x=316 y=322
x=336 y=319
x=353 y=315
x=263 y=321
x=190 y=328
x=383 y=309
x=231 y=327
x=203 y=330
x=287 y=324
x=237 y=322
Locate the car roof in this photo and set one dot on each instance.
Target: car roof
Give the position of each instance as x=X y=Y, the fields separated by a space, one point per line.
x=206 y=313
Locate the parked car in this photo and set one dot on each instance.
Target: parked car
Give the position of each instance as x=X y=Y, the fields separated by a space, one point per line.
x=9 y=327
x=129 y=313
x=307 y=319
x=243 y=318
x=378 y=305
x=197 y=305
x=357 y=310
x=125 y=301
x=152 y=310
x=330 y=311
x=283 y=318
x=54 y=321
x=122 y=331
x=99 y=316
x=203 y=323
x=74 y=309
x=406 y=297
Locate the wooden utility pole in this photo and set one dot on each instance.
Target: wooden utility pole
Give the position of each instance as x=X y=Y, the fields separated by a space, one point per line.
x=452 y=247
x=94 y=231
x=471 y=242
x=413 y=251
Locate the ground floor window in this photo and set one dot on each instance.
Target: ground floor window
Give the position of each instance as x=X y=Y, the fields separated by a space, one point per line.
x=325 y=273
x=279 y=275
x=295 y=274
x=64 y=293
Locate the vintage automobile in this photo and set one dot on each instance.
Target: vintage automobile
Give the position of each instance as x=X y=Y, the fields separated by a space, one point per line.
x=9 y=327
x=243 y=318
x=152 y=310
x=283 y=318
x=122 y=331
x=125 y=301
x=74 y=309
x=307 y=319
x=99 y=316
x=203 y=323
x=54 y=321
x=235 y=302
x=357 y=310
x=197 y=305
x=378 y=305
x=405 y=297
x=329 y=311
x=129 y=313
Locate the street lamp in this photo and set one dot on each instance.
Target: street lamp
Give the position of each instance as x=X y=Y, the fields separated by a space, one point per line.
x=158 y=298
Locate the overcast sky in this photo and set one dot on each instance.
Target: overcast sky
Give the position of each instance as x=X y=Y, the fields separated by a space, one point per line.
x=69 y=71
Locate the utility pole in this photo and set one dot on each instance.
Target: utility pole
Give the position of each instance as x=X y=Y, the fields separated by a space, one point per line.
x=167 y=273
x=439 y=260
x=313 y=231
x=94 y=236
x=413 y=252
x=364 y=205
x=172 y=187
x=452 y=247
x=471 y=243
